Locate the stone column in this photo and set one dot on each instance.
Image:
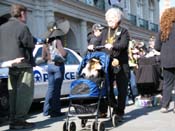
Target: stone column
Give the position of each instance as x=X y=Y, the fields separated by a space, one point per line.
x=83 y=40
x=157 y=13
x=146 y=10
x=39 y=20
x=49 y=13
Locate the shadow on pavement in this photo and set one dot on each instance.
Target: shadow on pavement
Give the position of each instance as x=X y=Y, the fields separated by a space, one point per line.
x=131 y=115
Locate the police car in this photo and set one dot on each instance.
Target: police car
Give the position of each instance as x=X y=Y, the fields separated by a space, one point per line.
x=41 y=76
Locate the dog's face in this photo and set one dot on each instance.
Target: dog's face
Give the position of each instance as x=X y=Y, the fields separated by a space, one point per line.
x=94 y=64
x=92 y=68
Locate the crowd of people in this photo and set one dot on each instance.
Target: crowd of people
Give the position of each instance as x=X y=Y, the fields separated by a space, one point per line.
x=116 y=42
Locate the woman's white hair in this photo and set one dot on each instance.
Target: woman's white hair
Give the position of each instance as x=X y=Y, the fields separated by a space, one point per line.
x=115 y=11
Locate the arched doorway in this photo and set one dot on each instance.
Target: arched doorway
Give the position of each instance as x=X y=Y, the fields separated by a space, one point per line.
x=71 y=40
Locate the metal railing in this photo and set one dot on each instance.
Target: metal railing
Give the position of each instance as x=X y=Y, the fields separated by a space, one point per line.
x=143 y=23
x=153 y=27
x=132 y=19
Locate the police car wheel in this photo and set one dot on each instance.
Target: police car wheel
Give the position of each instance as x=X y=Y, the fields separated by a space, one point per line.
x=4 y=99
x=4 y=102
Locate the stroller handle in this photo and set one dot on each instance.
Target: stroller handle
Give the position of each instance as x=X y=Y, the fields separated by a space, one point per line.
x=99 y=47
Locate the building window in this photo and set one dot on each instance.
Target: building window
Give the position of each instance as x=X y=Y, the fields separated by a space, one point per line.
x=127 y=6
x=151 y=10
x=140 y=5
x=114 y=2
x=90 y=2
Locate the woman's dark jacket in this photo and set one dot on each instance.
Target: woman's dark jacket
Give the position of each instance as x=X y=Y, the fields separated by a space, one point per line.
x=167 y=49
x=120 y=46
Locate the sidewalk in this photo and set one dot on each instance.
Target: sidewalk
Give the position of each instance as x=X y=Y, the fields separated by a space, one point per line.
x=136 y=119
x=148 y=119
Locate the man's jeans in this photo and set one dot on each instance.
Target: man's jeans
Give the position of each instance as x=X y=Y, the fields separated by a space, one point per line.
x=21 y=89
x=52 y=104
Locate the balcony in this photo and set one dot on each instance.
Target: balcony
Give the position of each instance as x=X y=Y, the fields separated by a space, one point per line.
x=98 y=4
x=153 y=27
x=143 y=23
x=117 y=6
x=132 y=19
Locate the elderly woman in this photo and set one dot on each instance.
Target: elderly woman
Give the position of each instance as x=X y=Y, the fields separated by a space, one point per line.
x=116 y=41
x=165 y=44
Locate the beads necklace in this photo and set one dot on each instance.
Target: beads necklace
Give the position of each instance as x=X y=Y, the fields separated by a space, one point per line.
x=111 y=39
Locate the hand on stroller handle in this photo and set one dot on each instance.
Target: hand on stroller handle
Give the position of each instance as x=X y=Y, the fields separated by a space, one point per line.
x=94 y=48
x=99 y=47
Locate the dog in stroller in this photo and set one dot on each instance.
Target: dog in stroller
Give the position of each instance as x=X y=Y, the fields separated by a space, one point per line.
x=89 y=93
x=93 y=69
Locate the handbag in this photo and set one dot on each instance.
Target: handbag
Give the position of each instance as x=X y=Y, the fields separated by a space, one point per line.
x=55 y=54
x=58 y=58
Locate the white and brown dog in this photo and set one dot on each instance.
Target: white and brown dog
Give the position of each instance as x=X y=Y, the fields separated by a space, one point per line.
x=92 y=69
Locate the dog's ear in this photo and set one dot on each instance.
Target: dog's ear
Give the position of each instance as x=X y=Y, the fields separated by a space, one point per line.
x=95 y=60
x=98 y=66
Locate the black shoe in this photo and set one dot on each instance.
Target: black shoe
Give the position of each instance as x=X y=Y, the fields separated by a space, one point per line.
x=120 y=118
x=114 y=111
x=21 y=125
x=58 y=114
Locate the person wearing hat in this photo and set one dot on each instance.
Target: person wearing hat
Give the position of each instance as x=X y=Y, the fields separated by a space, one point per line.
x=96 y=31
x=54 y=53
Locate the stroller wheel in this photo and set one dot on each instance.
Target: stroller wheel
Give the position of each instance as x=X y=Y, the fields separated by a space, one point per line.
x=72 y=126
x=94 y=126
x=65 y=127
x=114 y=120
x=101 y=126
x=83 y=122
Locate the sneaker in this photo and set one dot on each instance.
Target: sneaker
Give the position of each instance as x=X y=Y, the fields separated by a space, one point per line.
x=58 y=114
x=21 y=125
x=163 y=110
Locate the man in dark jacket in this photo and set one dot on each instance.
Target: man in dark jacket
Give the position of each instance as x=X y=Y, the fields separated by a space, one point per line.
x=16 y=47
x=116 y=40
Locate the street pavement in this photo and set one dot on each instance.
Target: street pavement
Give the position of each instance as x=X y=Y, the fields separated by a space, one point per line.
x=135 y=119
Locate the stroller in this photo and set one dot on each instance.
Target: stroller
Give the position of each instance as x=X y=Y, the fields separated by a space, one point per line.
x=86 y=96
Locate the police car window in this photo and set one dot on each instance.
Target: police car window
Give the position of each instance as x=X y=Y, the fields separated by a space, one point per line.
x=39 y=56
x=39 y=52
x=71 y=59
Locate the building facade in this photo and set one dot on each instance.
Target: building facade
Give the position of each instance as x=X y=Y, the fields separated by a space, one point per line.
x=141 y=17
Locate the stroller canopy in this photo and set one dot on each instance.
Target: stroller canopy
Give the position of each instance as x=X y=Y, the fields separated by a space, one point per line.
x=102 y=56
x=86 y=87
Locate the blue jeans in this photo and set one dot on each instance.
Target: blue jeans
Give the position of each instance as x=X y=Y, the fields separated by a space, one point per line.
x=52 y=104
x=133 y=83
